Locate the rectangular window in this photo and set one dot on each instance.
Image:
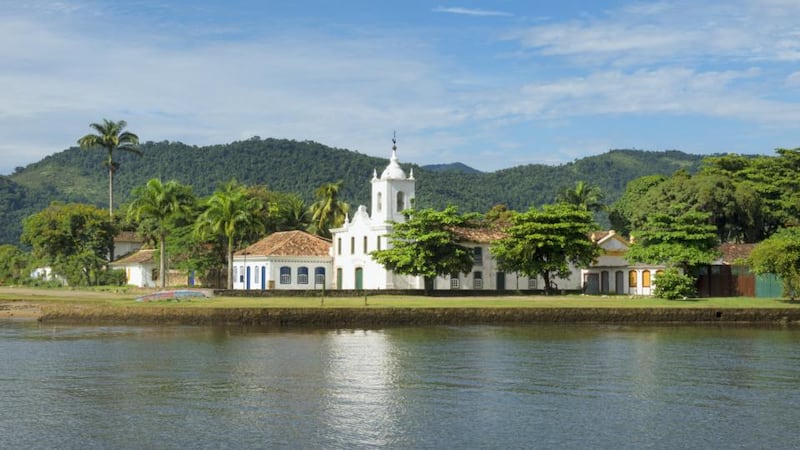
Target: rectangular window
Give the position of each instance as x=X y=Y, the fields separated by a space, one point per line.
x=477 y=280
x=454 y=282
x=256 y=275
x=353 y=245
x=477 y=256
x=365 y=245
x=532 y=283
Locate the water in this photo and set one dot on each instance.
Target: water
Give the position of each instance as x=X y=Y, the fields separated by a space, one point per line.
x=432 y=387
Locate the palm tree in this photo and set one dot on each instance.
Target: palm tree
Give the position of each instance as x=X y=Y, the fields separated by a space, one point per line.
x=158 y=204
x=584 y=196
x=228 y=213
x=110 y=137
x=328 y=211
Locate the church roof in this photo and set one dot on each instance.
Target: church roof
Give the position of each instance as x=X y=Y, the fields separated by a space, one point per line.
x=289 y=243
x=480 y=235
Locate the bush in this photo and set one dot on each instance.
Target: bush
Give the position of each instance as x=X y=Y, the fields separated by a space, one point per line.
x=673 y=285
x=114 y=277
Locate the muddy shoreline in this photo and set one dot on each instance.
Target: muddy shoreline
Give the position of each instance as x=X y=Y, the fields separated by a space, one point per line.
x=380 y=317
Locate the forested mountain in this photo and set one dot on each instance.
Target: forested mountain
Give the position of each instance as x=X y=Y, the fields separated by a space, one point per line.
x=451 y=167
x=77 y=175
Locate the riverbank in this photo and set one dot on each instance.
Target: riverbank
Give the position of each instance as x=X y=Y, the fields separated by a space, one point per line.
x=103 y=307
x=377 y=317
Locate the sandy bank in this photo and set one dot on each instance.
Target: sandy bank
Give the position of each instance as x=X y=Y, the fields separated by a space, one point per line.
x=377 y=317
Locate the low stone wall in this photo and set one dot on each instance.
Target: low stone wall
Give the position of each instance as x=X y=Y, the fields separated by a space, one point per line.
x=382 y=317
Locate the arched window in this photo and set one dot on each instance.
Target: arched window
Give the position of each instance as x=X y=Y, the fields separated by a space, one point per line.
x=380 y=201
x=401 y=201
x=319 y=275
x=646 y=279
x=302 y=275
x=632 y=279
x=286 y=275
x=352 y=245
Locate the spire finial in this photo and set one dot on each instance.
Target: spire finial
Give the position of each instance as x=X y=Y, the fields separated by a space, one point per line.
x=394 y=140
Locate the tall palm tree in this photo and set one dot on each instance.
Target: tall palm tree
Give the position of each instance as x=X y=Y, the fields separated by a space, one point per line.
x=110 y=137
x=228 y=213
x=155 y=206
x=584 y=196
x=328 y=211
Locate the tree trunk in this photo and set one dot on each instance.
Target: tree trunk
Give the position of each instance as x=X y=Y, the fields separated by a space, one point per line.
x=111 y=204
x=230 y=263
x=546 y=278
x=162 y=263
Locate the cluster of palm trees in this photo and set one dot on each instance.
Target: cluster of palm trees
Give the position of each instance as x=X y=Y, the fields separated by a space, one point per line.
x=234 y=213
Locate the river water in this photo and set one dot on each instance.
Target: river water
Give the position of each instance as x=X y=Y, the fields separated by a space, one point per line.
x=578 y=386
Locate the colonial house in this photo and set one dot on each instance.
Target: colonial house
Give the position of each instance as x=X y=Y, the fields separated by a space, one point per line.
x=612 y=274
x=140 y=268
x=284 y=260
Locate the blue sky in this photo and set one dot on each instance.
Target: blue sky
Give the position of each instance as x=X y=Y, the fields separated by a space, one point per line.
x=491 y=84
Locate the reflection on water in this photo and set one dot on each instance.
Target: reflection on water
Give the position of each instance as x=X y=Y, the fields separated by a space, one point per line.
x=431 y=387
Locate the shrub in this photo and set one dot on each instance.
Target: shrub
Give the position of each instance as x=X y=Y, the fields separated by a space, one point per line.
x=673 y=285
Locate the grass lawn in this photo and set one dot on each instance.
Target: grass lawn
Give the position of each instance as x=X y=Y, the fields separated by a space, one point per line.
x=126 y=297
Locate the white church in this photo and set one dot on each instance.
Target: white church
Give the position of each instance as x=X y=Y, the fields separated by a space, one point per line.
x=302 y=261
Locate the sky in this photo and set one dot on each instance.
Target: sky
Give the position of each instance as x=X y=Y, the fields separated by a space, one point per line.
x=492 y=84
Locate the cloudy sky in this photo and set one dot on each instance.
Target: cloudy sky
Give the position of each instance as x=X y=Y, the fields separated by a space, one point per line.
x=492 y=84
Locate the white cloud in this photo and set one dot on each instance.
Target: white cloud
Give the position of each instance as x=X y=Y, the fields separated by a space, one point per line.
x=471 y=12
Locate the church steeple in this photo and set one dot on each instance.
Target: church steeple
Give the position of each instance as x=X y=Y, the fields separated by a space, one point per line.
x=393 y=192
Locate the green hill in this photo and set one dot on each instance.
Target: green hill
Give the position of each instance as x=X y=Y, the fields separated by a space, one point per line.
x=77 y=175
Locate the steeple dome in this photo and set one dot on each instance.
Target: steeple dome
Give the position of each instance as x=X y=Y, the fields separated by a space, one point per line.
x=393 y=171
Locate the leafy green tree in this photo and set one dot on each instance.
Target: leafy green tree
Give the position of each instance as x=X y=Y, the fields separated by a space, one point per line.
x=156 y=207
x=73 y=239
x=544 y=242
x=229 y=213
x=328 y=211
x=682 y=241
x=426 y=245
x=584 y=196
x=780 y=255
x=111 y=137
x=14 y=264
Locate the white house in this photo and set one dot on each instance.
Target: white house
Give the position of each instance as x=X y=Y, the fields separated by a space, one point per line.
x=140 y=268
x=284 y=260
x=612 y=274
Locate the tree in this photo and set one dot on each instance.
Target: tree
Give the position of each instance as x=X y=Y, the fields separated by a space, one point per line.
x=228 y=213
x=328 y=211
x=73 y=239
x=111 y=137
x=13 y=264
x=583 y=196
x=544 y=242
x=684 y=241
x=780 y=255
x=426 y=245
x=155 y=207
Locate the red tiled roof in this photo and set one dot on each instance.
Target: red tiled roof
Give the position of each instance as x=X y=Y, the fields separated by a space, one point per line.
x=128 y=236
x=289 y=243
x=142 y=256
x=482 y=235
x=732 y=252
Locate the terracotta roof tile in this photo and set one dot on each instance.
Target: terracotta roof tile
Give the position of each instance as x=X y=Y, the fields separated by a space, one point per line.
x=289 y=243
x=482 y=235
x=128 y=236
x=732 y=252
x=142 y=256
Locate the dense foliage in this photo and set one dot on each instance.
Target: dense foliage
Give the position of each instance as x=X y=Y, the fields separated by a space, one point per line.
x=543 y=242
x=672 y=284
x=74 y=239
x=426 y=245
x=780 y=254
x=76 y=176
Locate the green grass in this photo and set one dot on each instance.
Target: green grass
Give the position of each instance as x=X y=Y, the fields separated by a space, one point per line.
x=128 y=298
